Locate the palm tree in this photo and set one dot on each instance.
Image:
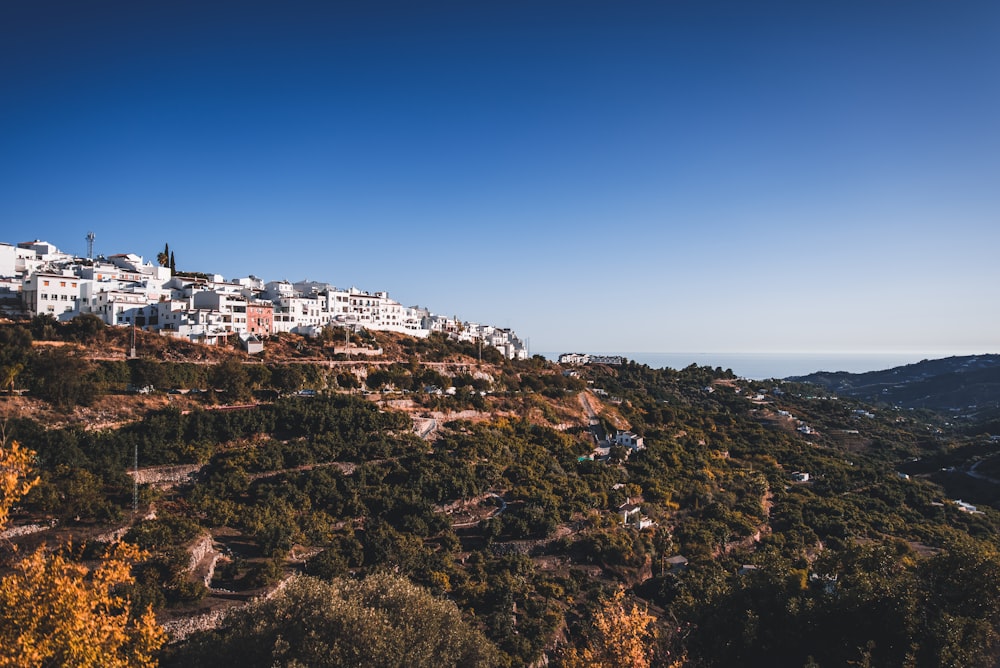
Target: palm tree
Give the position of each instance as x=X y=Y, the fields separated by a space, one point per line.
x=9 y=374
x=164 y=258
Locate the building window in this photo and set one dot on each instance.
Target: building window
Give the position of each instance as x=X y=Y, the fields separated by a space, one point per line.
x=45 y=283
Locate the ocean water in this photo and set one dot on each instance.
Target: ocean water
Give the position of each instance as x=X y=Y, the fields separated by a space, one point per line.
x=761 y=366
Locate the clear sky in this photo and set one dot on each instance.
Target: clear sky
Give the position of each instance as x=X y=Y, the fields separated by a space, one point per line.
x=669 y=175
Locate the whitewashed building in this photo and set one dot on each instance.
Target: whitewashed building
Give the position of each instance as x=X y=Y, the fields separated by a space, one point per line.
x=125 y=290
x=630 y=440
x=294 y=313
x=231 y=307
x=54 y=294
x=574 y=358
x=8 y=260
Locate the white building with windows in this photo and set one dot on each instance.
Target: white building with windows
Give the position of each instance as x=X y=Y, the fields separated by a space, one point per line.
x=231 y=307
x=42 y=252
x=121 y=307
x=630 y=440
x=292 y=314
x=251 y=282
x=30 y=257
x=125 y=290
x=574 y=358
x=275 y=290
x=54 y=294
x=8 y=261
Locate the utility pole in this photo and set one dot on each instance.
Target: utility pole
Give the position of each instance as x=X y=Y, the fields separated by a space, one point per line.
x=90 y=245
x=135 y=479
x=131 y=350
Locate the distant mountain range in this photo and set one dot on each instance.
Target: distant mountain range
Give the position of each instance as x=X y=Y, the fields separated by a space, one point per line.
x=972 y=381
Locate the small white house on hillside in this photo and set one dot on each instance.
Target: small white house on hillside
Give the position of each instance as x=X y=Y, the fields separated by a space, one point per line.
x=630 y=440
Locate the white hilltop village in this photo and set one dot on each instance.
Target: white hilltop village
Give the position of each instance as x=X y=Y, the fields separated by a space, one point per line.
x=123 y=290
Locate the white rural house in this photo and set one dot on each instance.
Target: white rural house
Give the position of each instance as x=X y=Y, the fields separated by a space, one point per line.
x=630 y=440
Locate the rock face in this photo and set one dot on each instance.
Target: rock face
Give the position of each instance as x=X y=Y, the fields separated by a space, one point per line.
x=165 y=475
x=178 y=629
x=204 y=557
x=25 y=530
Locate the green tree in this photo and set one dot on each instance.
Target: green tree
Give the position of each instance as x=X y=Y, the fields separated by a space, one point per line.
x=86 y=328
x=348 y=380
x=232 y=378
x=287 y=378
x=382 y=621
x=44 y=327
x=15 y=348
x=62 y=378
x=145 y=372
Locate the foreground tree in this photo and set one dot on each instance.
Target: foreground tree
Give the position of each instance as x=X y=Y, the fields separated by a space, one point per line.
x=57 y=612
x=15 y=478
x=381 y=621
x=621 y=634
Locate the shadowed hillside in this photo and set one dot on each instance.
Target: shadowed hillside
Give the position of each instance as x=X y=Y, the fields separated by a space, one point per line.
x=950 y=383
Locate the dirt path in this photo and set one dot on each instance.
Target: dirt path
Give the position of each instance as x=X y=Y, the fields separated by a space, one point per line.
x=347 y=468
x=588 y=407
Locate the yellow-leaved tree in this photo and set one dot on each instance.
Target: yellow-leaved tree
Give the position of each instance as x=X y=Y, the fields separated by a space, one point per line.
x=621 y=635
x=15 y=468
x=56 y=612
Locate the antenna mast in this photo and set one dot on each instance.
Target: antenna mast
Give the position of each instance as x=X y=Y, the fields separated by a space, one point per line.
x=90 y=245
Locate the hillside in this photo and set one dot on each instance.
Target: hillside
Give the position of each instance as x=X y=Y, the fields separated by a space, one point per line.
x=758 y=525
x=950 y=383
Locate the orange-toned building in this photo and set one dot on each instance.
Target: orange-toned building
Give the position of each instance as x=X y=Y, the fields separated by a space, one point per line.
x=260 y=318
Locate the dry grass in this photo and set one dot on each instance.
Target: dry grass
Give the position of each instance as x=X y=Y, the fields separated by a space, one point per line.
x=106 y=412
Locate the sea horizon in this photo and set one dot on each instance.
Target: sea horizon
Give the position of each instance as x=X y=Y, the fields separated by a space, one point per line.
x=766 y=365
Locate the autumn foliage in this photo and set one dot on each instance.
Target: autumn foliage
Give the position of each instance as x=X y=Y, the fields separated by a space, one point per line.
x=15 y=465
x=57 y=612
x=621 y=634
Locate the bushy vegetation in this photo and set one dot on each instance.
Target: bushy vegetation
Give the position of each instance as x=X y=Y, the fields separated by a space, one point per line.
x=380 y=621
x=505 y=527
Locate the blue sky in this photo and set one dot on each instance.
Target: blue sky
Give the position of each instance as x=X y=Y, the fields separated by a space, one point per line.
x=683 y=175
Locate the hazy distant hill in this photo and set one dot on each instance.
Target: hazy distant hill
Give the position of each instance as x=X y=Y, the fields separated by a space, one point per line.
x=952 y=382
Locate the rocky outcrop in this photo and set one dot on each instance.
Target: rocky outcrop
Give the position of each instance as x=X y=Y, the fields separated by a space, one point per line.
x=179 y=629
x=203 y=559
x=165 y=475
x=25 y=530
